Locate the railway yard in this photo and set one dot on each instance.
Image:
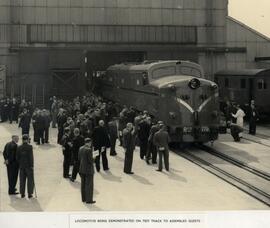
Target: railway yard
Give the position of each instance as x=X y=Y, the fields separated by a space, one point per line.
x=224 y=176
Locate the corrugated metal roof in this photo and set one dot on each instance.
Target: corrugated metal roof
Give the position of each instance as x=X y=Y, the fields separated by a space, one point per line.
x=242 y=72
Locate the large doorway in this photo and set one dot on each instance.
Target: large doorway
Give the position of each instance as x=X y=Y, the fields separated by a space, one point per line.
x=65 y=83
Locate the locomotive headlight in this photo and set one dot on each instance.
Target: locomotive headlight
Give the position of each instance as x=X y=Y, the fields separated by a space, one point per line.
x=194 y=83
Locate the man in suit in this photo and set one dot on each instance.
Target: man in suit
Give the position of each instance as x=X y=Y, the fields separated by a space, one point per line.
x=25 y=120
x=47 y=122
x=143 y=135
x=161 y=141
x=112 y=127
x=25 y=159
x=151 y=149
x=101 y=142
x=12 y=164
x=66 y=143
x=129 y=139
x=86 y=171
x=40 y=126
x=77 y=142
x=253 y=118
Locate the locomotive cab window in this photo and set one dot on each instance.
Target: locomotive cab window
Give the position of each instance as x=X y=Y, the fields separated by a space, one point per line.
x=163 y=72
x=243 y=83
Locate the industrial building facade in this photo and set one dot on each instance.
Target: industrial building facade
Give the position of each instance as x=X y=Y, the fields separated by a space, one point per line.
x=54 y=47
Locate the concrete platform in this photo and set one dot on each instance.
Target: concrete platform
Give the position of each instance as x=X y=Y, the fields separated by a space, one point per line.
x=185 y=188
x=254 y=154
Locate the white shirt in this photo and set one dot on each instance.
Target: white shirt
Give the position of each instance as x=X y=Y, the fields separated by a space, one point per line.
x=239 y=117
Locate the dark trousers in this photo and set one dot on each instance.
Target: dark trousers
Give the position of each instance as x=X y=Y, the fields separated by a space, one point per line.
x=75 y=170
x=66 y=163
x=40 y=136
x=35 y=133
x=87 y=187
x=143 y=148
x=13 y=116
x=26 y=174
x=128 y=161
x=12 y=172
x=252 y=127
x=151 y=152
x=60 y=135
x=104 y=160
x=46 y=134
x=163 y=154
x=113 y=142
x=235 y=130
x=25 y=130
x=54 y=119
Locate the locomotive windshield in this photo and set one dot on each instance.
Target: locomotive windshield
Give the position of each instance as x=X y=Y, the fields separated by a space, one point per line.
x=164 y=71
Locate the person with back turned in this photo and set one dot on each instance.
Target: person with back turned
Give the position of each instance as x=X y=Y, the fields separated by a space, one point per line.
x=161 y=141
x=129 y=140
x=9 y=154
x=25 y=159
x=101 y=142
x=86 y=171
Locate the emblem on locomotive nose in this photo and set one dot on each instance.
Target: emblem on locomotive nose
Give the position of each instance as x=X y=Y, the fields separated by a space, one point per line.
x=194 y=83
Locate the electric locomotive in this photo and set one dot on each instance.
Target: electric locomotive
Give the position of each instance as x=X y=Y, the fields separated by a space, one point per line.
x=172 y=91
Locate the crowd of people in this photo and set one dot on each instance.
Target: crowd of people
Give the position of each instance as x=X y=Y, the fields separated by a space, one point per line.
x=87 y=128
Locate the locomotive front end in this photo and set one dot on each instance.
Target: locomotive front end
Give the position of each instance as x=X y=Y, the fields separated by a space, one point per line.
x=193 y=109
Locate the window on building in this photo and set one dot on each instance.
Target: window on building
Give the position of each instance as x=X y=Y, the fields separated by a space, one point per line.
x=243 y=83
x=226 y=83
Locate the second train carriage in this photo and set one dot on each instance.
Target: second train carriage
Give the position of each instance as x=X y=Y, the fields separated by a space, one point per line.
x=171 y=91
x=242 y=86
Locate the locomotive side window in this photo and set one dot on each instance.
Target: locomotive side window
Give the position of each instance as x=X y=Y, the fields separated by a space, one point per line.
x=262 y=84
x=243 y=83
x=163 y=72
x=226 y=83
x=144 y=78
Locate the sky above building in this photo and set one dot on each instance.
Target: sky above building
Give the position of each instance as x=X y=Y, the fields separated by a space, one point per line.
x=254 y=13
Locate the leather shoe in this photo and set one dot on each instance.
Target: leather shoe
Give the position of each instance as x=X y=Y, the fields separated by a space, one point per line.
x=147 y=162
x=90 y=202
x=71 y=179
x=30 y=196
x=13 y=193
x=159 y=170
x=129 y=172
x=22 y=196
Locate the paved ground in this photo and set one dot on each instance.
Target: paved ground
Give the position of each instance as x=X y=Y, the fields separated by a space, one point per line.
x=186 y=187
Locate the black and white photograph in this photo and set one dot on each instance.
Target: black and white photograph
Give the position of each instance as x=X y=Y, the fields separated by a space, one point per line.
x=135 y=106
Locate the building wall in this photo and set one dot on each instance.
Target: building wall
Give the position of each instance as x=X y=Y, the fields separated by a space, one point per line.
x=258 y=45
x=36 y=35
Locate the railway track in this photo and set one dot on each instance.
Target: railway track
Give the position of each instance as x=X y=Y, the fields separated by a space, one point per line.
x=248 y=179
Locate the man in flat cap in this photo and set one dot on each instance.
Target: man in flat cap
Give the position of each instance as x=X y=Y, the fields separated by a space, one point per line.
x=86 y=171
x=25 y=159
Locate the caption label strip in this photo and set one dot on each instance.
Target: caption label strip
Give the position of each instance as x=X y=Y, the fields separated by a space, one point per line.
x=137 y=220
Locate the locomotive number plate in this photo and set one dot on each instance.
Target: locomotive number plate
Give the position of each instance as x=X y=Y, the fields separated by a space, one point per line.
x=205 y=129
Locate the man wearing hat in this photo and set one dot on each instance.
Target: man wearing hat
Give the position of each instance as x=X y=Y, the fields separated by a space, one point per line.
x=25 y=159
x=86 y=171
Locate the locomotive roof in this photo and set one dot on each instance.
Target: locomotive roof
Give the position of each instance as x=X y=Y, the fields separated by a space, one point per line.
x=146 y=65
x=243 y=72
